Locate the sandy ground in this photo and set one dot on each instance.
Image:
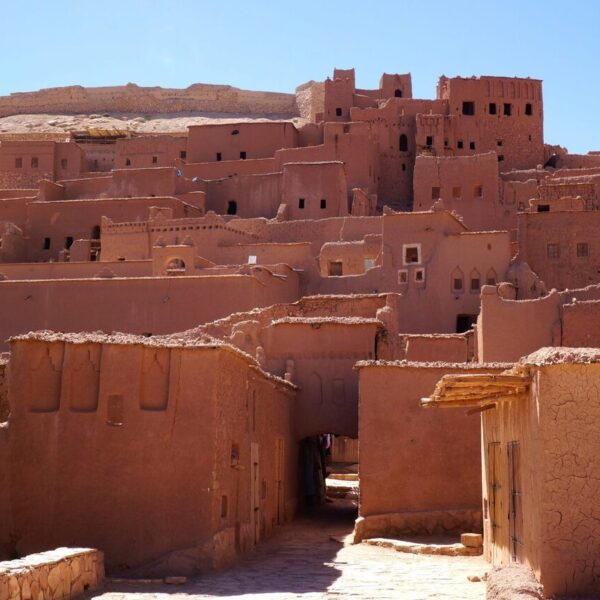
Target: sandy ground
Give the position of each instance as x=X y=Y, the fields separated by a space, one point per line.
x=157 y=123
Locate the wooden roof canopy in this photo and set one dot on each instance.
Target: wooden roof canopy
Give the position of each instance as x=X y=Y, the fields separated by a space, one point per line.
x=478 y=392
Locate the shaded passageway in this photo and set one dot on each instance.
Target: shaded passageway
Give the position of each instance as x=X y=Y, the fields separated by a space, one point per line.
x=310 y=559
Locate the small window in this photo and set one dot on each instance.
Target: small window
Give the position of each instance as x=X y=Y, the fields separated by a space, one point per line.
x=403 y=143
x=232 y=207
x=491 y=277
x=456 y=192
x=478 y=191
x=338 y=112
x=369 y=263
x=346 y=128
x=583 y=250
x=457 y=284
x=419 y=275
x=235 y=132
x=445 y=143
x=398 y=94
x=529 y=137
x=127 y=162
x=435 y=193
x=68 y=242
x=528 y=109
x=492 y=108
x=46 y=244
x=402 y=276
x=411 y=254
x=323 y=203
x=500 y=157
x=155 y=160
x=472 y=145
x=429 y=141
x=243 y=155
x=219 y=156
x=553 y=251
x=64 y=163
x=460 y=144
x=475 y=284
x=336 y=268
x=404 y=166
x=18 y=163
x=468 y=108
x=543 y=208
x=34 y=162
x=252 y=259
x=183 y=154
x=499 y=143
x=300 y=202
x=223 y=507
x=507 y=109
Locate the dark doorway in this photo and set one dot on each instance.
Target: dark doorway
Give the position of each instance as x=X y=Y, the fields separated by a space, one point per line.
x=464 y=322
x=232 y=207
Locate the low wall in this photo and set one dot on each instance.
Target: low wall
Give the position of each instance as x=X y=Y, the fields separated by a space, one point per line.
x=53 y=575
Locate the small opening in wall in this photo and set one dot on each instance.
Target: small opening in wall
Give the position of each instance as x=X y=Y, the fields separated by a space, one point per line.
x=219 y=156
x=528 y=109
x=243 y=155
x=478 y=191
x=460 y=144
x=498 y=142
x=468 y=108
x=183 y=154
x=18 y=163
x=435 y=193
x=64 y=163
x=232 y=207
x=500 y=157
x=68 y=241
x=338 y=112
x=472 y=145
x=543 y=208
x=323 y=203
x=300 y=202
x=398 y=93
x=127 y=162
x=223 y=507
x=155 y=160
x=34 y=162
x=336 y=268
x=404 y=166
x=583 y=250
x=235 y=132
x=429 y=141
x=46 y=243
x=492 y=108
x=507 y=109
x=403 y=143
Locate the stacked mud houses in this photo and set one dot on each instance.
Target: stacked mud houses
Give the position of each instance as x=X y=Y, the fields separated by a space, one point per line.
x=185 y=312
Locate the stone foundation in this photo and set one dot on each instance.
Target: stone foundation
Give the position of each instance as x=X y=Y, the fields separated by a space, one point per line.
x=442 y=522
x=53 y=575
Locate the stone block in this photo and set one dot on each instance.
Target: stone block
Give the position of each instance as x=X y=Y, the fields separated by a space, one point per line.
x=471 y=540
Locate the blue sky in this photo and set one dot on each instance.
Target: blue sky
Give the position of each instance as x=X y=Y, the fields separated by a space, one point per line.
x=276 y=45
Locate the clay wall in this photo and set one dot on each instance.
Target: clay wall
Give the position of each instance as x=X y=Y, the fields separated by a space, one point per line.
x=555 y=453
x=420 y=470
x=234 y=141
x=150 y=151
x=230 y=168
x=75 y=270
x=77 y=219
x=245 y=195
x=310 y=99
x=514 y=132
x=467 y=185
x=131 y=389
x=14 y=210
x=349 y=258
x=562 y=247
x=323 y=352
x=579 y=324
x=315 y=190
x=137 y=304
x=433 y=348
x=132 y=98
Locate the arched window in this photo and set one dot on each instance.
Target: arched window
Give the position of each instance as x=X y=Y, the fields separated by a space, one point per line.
x=398 y=93
x=175 y=266
x=232 y=207
x=457 y=281
x=403 y=143
x=491 y=277
x=475 y=281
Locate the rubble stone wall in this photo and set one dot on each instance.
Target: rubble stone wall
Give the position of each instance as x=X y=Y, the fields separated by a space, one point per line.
x=53 y=575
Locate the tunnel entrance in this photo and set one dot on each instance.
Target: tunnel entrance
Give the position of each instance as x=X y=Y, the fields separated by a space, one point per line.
x=329 y=477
